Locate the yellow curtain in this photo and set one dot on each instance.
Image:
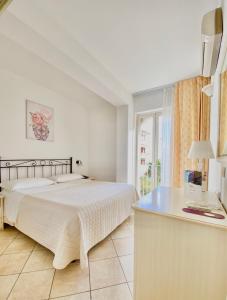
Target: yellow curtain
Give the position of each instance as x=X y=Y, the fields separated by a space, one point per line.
x=223 y=113
x=191 y=122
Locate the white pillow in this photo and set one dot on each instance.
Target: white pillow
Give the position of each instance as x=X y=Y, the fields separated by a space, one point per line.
x=67 y=177
x=26 y=183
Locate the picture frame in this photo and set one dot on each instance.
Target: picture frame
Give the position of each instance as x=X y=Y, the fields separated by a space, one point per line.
x=39 y=122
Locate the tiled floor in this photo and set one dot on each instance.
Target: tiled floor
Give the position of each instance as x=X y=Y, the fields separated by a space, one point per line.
x=26 y=270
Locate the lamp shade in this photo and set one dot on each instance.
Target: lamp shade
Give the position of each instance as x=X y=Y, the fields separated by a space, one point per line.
x=225 y=149
x=201 y=150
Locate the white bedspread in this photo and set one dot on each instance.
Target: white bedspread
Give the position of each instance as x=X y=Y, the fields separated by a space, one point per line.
x=69 y=219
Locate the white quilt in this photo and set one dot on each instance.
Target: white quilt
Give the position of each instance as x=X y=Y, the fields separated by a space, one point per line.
x=69 y=219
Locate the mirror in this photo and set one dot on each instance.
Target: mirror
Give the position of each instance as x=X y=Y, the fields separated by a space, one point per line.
x=222 y=147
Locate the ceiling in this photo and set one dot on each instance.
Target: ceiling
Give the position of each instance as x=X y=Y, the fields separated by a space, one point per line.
x=114 y=48
x=25 y=64
x=143 y=43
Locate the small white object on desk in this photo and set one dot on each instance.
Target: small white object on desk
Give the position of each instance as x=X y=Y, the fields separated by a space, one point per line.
x=193 y=191
x=197 y=198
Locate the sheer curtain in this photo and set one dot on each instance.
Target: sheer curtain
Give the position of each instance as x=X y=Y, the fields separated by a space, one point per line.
x=167 y=113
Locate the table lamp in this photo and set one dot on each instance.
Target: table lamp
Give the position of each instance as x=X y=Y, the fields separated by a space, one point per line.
x=201 y=150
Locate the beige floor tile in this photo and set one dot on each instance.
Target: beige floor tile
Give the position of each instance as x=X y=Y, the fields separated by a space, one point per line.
x=130 y=284
x=8 y=232
x=106 y=273
x=71 y=280
x=127 y=265
x=33 y=286
x=39 y=260
x=21 y=245
x=122 y=231
x=103 y=250
x=39 y=247
x=21 y=235
x=4 y=243
x=12 y=263
x=117 y=292
x=130 y=220
x=124 y=246
x=108 y=238
x=82 y=296
x=6 y=284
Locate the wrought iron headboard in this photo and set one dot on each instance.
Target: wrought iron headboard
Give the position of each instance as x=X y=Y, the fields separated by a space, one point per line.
x=14 y=167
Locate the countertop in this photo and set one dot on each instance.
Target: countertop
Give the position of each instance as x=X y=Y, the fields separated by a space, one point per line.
x=169 y=202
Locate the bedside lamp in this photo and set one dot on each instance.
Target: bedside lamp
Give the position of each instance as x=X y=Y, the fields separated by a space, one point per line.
x=201 y=150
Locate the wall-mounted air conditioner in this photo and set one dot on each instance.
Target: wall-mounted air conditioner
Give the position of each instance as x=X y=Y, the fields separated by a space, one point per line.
x=212 y=30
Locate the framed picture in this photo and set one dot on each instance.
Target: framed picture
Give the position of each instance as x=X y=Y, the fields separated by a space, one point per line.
x=39 y=122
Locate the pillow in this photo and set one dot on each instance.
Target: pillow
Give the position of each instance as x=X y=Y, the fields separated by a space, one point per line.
x=67 y=177
x=26 y=183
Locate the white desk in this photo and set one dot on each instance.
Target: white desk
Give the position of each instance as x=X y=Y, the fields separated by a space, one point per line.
x=178 y=255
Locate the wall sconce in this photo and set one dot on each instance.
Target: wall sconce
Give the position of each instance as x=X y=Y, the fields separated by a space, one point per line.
x=79 y=163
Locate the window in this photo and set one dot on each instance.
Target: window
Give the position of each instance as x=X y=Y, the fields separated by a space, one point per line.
x=142 y=161
x=149 y=152
x=142 y=149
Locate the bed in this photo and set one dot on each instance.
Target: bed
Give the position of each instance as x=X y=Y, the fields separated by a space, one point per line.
x=67 y=218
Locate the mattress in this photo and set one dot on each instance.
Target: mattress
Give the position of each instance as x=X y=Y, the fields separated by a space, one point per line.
x=70 y=218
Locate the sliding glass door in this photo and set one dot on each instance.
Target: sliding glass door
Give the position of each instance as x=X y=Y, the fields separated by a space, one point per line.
x=149 y=151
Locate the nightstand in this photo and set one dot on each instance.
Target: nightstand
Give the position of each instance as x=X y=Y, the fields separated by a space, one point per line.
x=1 y=212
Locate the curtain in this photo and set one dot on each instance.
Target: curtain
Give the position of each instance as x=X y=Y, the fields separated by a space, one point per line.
x=191 y=122
x=166 y=136
x=223 y=113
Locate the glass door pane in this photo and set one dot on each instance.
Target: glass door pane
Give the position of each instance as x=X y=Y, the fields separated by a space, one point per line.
x=145 y=153
x=149 y=152
x=159 y=148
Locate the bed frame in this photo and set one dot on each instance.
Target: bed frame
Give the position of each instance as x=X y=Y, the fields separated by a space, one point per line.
x=12 y=168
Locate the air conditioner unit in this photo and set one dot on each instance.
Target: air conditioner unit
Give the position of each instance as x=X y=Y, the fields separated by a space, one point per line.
x=212 y=30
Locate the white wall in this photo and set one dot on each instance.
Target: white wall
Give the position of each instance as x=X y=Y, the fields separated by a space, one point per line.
x=102 y=142
x=71 y=129
x=131 y=144
x=28 y=25
x=88 y=135
x=150 y=100
x=122 y=144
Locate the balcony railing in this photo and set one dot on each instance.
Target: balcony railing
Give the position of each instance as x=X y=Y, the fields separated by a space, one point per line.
x=151 y=178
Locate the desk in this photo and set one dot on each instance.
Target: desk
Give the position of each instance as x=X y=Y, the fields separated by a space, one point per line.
x=178 y=256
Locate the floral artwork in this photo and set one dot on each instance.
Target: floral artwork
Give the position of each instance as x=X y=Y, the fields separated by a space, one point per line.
x=40 y=121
